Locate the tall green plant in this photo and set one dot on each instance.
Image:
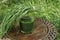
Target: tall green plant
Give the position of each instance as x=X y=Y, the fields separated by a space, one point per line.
x=16 y=14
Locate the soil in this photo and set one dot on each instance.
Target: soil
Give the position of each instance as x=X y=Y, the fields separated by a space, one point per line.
x=42 y=31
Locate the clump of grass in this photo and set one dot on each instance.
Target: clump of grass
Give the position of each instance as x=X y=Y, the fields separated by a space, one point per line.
x=47 y=9
x=15 y=14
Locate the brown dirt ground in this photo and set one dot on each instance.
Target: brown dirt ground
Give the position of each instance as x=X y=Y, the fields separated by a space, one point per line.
x=40 y=31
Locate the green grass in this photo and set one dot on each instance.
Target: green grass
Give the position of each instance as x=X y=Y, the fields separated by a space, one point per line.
x=47 y=9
